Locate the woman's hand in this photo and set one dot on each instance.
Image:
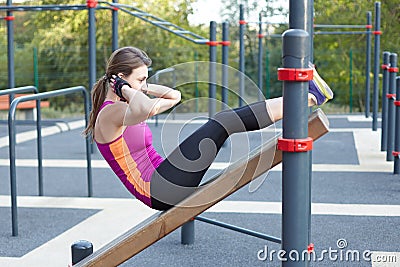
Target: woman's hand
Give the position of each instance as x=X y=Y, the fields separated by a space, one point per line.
x=116 y=84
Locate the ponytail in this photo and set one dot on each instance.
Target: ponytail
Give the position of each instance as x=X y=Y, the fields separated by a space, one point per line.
x=98 y=96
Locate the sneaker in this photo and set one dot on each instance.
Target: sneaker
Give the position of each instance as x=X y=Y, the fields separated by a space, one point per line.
x=319 y=88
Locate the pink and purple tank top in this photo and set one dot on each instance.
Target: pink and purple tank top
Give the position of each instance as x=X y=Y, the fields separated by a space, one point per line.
x=133 y=158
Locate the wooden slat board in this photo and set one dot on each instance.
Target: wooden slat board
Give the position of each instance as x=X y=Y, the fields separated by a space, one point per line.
x=232 y=179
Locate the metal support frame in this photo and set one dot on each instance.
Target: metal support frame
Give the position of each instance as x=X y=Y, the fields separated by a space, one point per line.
x=225 y=64
x=396 y=150
x=296 y=166
x=391 y=95
x=260 y=58
x=375 y=97
x=368 y=65
x=115 y=27
x=385 y=88
x=12 y=142
x=242 y=24
x=212 y=84
x=239 y=229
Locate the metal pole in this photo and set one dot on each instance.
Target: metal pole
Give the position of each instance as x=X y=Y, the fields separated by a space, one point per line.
x=212 y=87
x=225 y=58
x=187 y=233
x=115 y=27
x=391 y=110
x=368 y=65
x=80 y=250
x=351 y=81
x=242 y=22
x=35 y=68
x=92 y=42
x=296 y=171
x=10 y=49
x=375 y=96
x=385 y=85
x=260 y=58
x=397 y=136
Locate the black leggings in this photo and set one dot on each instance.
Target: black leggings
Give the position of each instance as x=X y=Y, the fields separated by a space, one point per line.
x=181 y=172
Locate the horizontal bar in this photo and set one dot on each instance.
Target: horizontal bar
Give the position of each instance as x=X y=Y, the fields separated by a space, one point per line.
x=17 y=90
x=239 y=229
x=340 y=26
x=341 y=33
x=43 y=7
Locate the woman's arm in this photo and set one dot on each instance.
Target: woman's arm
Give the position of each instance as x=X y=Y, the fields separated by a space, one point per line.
x=141 y=107
x=162 y=91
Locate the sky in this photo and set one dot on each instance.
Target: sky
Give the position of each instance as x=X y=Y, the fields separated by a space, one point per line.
x=209 y=10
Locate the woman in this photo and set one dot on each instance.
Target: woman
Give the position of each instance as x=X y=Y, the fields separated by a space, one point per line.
x=125 y=140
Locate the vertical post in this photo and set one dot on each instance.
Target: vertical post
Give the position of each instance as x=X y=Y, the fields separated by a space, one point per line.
x=375 y=95
x=296 y=172
x=187 y=233
x=115 y=27
x=10 y=49
x=196 y=91
x=35 y=68
x=351 y=81
x=91 y=4
x=212 y=87
x=397 y=134
x=267 y=75
x=391 y=108
x=260 y=58
x=242 y=23
x=225 y=57
x=368 y=65
x=385 y=85
x=80 y=250
x=13 y=182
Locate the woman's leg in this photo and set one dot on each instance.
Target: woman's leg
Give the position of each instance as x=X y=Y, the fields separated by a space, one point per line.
x=182 y=171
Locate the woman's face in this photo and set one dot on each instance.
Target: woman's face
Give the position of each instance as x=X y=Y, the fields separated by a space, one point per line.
x=137 y=79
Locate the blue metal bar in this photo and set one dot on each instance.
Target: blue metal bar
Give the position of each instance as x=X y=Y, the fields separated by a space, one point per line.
x=212 y=87
x=114 y=28
x=225 y=64
x=368 y=66
x=396 y=166
x=239 y=229
x=10 y=49
x=260 y=59
x=12 y=142
x=391 y=108
x=340 y=33
x=385 y=88
x=158 y=22
x=43 y=8
x=340 y=26
x=241 y=55
x=377 y=43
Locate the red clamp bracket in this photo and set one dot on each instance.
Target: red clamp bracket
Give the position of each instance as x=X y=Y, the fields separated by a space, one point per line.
x=242 y=22
x=91 y=3
x=397 y=103
x=391 y=96
x=260 y=36
x=115 y=8
x=393 y=69
x=212 y=43
x=8 y=18
x=396 y=153
x=225 y=43
x=385 y=66
x=300 y=75
x=369 y=26
x=377 y=32
x=295 y=145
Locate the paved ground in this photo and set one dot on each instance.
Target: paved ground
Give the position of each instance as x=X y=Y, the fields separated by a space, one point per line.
x=356 y=201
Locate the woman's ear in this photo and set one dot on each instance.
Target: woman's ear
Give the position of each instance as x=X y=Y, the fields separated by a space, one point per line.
x=120 y=74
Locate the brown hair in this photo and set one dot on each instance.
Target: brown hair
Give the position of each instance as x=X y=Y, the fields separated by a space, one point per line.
x=123 y=60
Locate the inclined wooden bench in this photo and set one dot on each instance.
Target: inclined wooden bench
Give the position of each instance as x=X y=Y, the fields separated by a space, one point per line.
x=233 y=178
x=28 y=108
